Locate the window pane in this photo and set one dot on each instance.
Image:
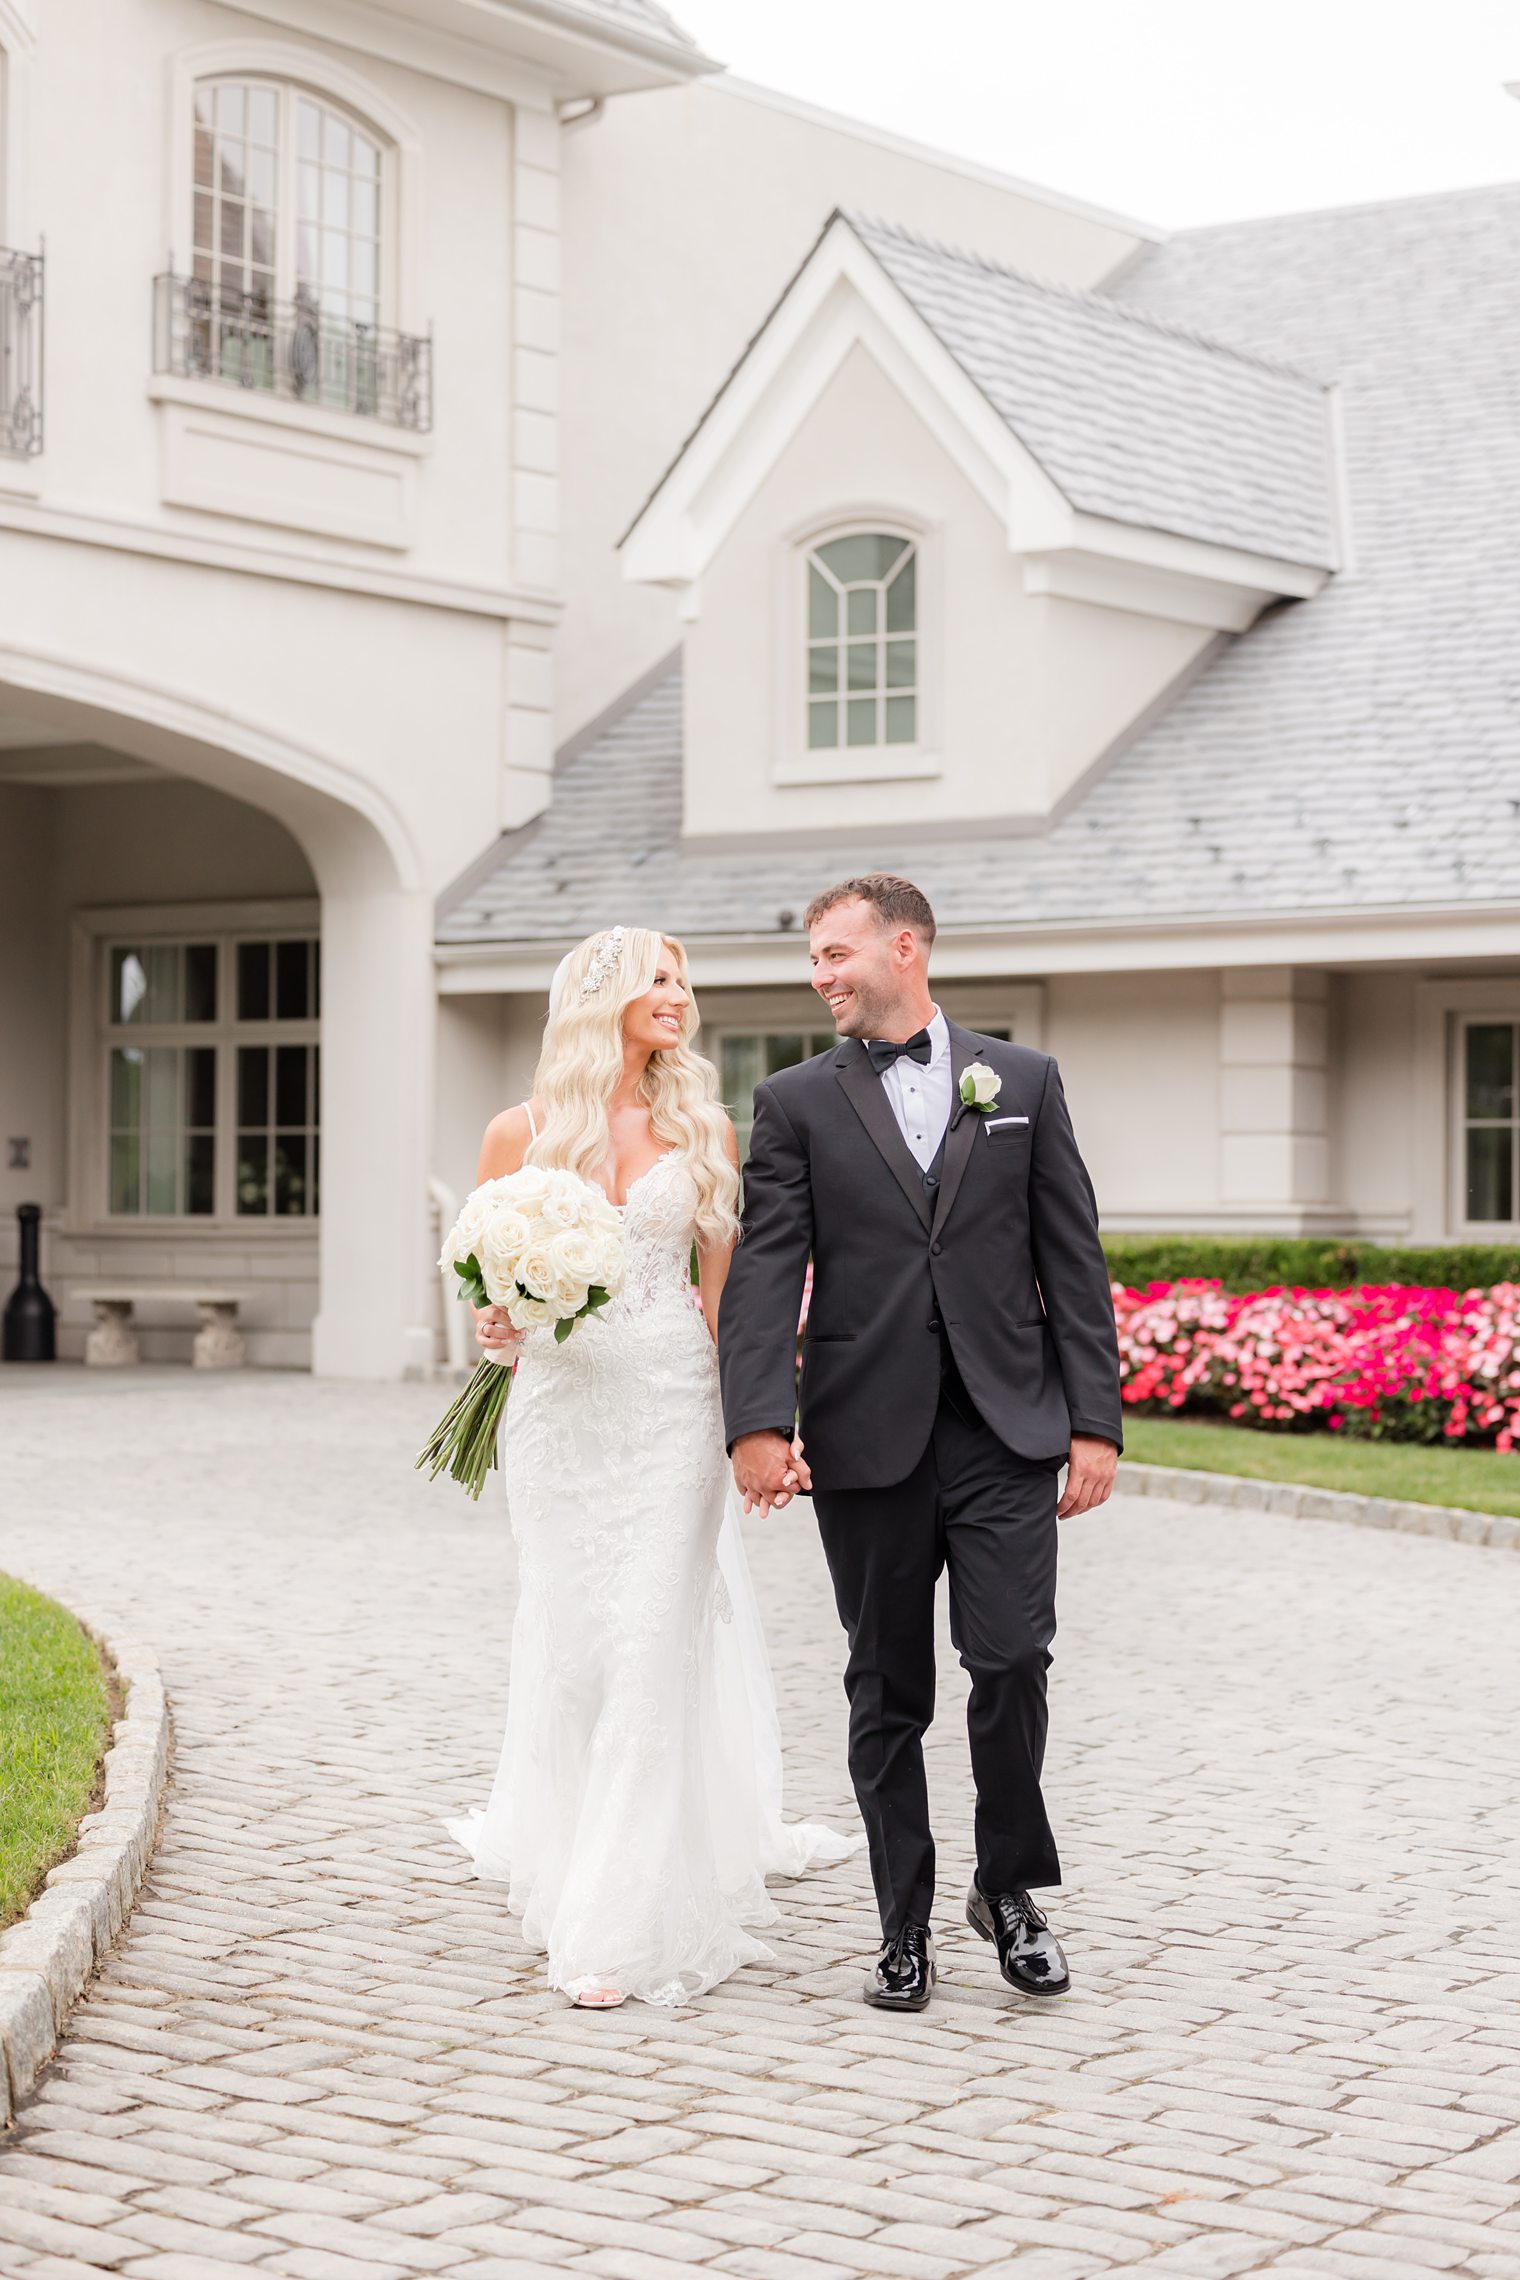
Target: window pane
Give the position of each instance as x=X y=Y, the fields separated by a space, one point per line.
x=862 y=663
x=290 y=1174
x=783 y=1051
x=261 y=115
x=868 y=554
x=823 y=604
x=253 y=981
x=334 y=140
x=902 y=720
x=860 y=722
x=200 y=1179
x=900 y=664
x=125 y=1163
x=290 y=1084
x=129 y=985
x=200 y=1087
x=316 y=979
x=1491 y=1069
x=823 y=669
x=200 y=981
x=1490 y=1167
x=253 y=1084
x=308 y=128
x=162 y=1089
x=861 y=606
x=162 y=1002
x=204 y=239
x=902 y=599
x=163 y=1182
x=291 y=990
x=823 y=725
x=252 y=1172
x=126 y=1088
x=230 y=109
x=743 y=1067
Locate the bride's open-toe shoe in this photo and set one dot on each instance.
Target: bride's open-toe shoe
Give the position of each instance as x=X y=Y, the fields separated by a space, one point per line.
x=598 y=1999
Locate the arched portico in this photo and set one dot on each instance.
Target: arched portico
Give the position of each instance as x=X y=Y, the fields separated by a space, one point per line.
x=377 y=1013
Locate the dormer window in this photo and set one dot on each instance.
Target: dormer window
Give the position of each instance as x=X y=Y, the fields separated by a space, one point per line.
x=862 y=642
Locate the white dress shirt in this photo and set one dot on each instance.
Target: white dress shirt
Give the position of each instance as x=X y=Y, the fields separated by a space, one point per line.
x=921 y=1094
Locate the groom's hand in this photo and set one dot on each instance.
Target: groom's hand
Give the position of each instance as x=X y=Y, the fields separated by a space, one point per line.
x=1090 y=1475
x=769 y=1471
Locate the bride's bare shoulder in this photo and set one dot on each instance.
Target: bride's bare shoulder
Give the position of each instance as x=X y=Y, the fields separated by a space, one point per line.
x=506 y=1140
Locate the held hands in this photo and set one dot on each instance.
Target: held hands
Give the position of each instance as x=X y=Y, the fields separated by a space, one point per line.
x=492 y=1329
x=769 y=1471
x=1090 y=1475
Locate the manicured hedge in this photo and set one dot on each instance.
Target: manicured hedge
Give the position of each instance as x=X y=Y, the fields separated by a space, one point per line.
x=1260 y=1262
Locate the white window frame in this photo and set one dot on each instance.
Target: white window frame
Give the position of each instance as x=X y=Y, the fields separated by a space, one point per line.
x=1498 y=1230
x=1443 y=1010
x=796 y=762
x=92 y=1039
x=294 y=70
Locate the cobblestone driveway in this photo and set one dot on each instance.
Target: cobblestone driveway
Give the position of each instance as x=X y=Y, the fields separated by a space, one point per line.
x=1283 y=1772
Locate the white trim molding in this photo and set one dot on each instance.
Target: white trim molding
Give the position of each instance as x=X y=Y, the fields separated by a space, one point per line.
x=842 y=298
x=796 y=762
x=1441 y=1009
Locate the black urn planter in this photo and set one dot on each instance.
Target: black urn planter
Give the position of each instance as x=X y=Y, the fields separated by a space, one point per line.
x=31 y=1319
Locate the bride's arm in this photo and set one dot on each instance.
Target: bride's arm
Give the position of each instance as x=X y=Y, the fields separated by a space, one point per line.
x=713 y=1263
x=502 y=1150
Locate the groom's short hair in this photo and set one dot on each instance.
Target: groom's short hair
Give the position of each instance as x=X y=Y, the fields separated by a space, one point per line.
x=896 y=902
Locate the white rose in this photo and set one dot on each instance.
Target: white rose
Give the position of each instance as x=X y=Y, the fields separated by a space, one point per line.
x=503 y=1242
x=527 y=1188
x=576 y=1259
x=980 y=1085
x=534 y=1270
x=559 y=1208
x=528 y=1313
x=610 y=1267
x=467 y=1231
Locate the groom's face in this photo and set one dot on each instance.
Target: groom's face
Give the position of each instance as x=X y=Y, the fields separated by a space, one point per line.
x=856 y=969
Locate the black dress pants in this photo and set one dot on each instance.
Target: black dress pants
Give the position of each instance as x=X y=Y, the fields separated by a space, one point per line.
x=971 y=1506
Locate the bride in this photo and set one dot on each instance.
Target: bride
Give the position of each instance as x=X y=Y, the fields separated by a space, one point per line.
x=637 y=1806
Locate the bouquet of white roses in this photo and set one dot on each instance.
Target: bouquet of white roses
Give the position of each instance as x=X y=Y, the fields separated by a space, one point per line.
x=546 y=1246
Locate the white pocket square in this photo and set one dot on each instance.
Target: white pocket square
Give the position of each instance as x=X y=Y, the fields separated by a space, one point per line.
x=996 y=1123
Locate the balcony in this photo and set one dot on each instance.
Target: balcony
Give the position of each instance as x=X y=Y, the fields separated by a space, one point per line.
x=293 y=351
x=20 y=354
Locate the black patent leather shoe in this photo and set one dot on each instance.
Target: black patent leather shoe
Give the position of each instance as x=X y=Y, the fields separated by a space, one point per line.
x=902 y=1977
x=1029 y=1954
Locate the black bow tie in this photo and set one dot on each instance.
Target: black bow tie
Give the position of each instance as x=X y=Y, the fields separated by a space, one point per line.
x=883 y=1052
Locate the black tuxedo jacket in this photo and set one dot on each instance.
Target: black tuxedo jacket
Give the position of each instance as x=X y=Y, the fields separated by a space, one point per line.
x=1004 y=1263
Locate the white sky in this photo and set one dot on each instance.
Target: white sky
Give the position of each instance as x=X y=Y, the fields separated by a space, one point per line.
x=1172 y=111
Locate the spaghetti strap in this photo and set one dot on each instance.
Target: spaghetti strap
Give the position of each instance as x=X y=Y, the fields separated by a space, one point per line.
x=532 y=1121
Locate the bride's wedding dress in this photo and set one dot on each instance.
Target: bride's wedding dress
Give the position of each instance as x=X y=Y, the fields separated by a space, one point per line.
x=637 y=1806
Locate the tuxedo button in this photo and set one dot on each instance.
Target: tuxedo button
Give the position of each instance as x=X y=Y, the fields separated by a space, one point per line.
x=934 y=1324
x=936 y=1249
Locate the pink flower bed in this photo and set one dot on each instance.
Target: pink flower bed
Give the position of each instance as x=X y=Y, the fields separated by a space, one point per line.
x=1392 y=1361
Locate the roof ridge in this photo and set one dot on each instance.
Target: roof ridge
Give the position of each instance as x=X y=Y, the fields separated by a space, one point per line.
x=1086 y=297
x=1335 y=213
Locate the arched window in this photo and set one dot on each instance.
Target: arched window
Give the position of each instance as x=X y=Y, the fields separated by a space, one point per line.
x=287 y=199
x=862 y=641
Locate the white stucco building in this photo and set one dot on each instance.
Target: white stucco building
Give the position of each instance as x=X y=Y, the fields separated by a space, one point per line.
x=490 y=476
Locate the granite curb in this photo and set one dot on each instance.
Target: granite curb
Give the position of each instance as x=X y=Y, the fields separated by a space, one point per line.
x=47 y=1957
x=1245 y=1495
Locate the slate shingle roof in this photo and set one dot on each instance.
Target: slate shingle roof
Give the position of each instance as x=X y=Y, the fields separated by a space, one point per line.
x=642 y=16
x=1131 y=418
x=1359 y=749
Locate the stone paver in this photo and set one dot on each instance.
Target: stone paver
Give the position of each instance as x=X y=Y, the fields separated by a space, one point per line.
x=1283 y=1775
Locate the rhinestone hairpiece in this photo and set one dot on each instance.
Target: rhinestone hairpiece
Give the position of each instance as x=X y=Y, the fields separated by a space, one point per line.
x=608 y=952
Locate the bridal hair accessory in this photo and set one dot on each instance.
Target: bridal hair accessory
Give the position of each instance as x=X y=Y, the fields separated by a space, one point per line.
x=608 y=951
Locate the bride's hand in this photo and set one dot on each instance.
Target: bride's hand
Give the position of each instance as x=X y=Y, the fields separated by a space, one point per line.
x=492 y=1329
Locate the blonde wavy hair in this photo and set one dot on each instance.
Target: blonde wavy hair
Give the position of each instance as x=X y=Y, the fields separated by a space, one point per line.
x=582 y=1061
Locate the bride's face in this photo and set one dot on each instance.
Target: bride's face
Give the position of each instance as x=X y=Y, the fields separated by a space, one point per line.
x=657 y=1020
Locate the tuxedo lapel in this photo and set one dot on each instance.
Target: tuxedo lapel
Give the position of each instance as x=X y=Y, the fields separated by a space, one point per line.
x=863 y=1089
x=960 y=1139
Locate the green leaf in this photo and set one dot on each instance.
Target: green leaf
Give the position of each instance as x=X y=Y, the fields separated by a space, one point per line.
x=562 y=1331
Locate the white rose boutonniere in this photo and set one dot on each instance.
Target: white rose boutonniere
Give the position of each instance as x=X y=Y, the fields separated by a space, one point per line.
x=980 y=1087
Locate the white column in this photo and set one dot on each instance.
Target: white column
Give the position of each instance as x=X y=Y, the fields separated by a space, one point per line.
x=1274 y=1142
x=377 y=1086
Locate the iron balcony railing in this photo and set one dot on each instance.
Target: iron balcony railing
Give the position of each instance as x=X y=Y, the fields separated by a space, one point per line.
x=20 y=354
x=292 y=349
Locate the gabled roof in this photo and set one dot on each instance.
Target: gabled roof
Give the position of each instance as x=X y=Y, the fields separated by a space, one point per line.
x=1361 y=752
x=1130 y=418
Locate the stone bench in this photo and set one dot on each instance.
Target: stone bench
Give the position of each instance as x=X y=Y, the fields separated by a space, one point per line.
x=113 y=1341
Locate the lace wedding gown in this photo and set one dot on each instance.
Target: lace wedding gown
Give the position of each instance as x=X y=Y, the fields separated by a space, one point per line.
x=636 y=1810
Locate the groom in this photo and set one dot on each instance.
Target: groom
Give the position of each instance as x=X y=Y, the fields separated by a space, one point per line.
x=960 y=1350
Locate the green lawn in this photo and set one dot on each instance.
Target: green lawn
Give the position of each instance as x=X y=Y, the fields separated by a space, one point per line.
x=1480 y=1480
x=55 y=1718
